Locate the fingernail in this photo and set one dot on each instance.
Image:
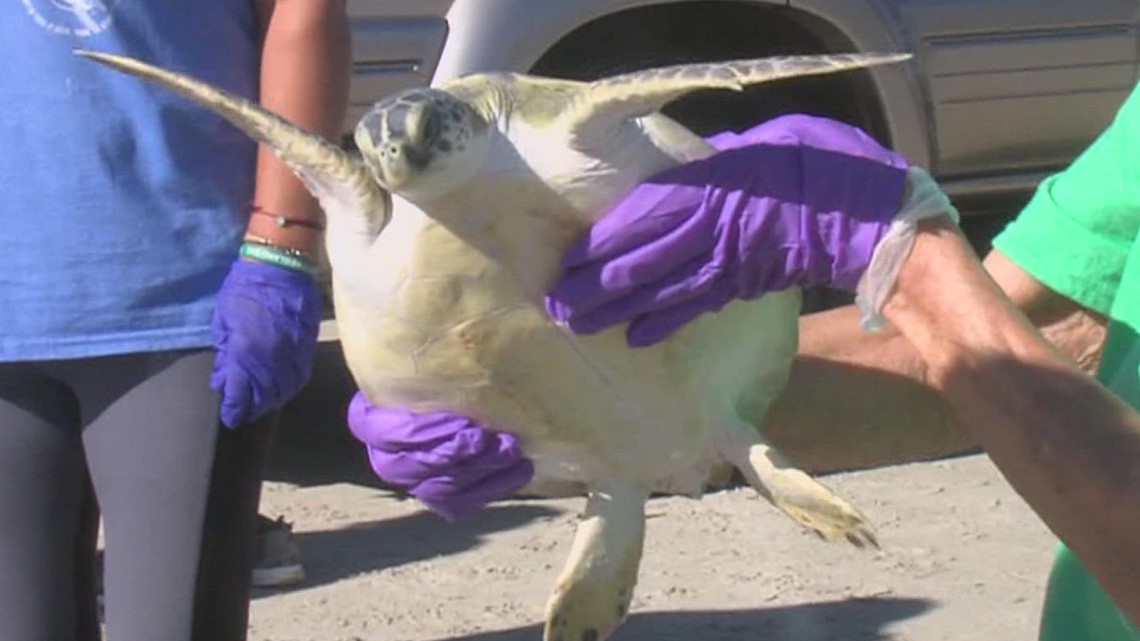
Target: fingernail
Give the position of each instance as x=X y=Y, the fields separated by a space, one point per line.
x=556 y=310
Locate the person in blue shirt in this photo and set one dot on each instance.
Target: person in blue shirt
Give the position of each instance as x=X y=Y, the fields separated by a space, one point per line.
x=158 y=300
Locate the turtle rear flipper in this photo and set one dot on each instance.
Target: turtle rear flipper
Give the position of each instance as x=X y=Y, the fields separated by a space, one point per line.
x=604 y=104
x=592 y=595
x=794 y=492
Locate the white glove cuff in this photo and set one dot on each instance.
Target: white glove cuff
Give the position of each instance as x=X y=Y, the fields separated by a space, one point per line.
x=927 y=200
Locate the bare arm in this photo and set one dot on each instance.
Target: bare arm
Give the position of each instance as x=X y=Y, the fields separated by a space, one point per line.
x=858 y=400
x=1073 y=329
x=1064 y=442
x=305 y=72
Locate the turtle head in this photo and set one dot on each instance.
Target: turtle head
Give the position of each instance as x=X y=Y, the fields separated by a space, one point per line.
x=422 y=142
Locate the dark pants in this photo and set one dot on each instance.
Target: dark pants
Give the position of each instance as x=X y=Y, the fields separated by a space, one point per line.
x=229 y=542
x=134 y=438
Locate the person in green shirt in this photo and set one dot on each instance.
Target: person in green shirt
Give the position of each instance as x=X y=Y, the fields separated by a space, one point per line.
x=1072 y=253
x=991 y=353
x=1078 y=238
x=1071 y=260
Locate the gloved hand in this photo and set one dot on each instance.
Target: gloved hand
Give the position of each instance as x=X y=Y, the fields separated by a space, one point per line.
x=265 y=326
x=453 y=465
x=797 y=200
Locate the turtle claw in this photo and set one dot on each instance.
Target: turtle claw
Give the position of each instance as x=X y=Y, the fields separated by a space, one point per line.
x=587 y=611
x=829 y=517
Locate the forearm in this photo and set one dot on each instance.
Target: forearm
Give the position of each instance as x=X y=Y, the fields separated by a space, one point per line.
x=856 y=401
x=1076 y=331
x=305 y=72
x=1065 y=443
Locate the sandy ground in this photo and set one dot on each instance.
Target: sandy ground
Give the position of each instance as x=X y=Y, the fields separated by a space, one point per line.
x=962 y=558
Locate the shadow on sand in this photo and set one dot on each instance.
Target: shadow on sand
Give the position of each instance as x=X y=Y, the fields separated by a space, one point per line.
x=848 y=620
x=332 y=555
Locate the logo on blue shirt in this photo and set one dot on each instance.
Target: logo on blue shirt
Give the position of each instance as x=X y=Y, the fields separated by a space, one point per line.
x=82 y=18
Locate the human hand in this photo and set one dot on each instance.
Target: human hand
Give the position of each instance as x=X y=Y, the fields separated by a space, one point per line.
x=265 y=327
x=797 y=200
x=453 y=465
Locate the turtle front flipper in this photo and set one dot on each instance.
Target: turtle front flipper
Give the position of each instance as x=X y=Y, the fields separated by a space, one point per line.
x=794 y=492
x=603 y=104
x=342 y=185
x=592 y=595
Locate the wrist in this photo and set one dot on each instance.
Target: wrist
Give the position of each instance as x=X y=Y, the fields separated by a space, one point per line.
x=923 y=200
x=297 y=231
x=949 y=308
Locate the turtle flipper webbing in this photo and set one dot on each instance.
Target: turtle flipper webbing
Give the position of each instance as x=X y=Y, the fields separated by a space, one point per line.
x=338 y=181
x=605 y=103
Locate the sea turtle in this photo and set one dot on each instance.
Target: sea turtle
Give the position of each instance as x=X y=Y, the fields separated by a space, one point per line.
x=443 y=238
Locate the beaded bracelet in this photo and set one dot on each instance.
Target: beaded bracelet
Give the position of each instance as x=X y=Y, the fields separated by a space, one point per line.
x=277 y=256
x=262 y=240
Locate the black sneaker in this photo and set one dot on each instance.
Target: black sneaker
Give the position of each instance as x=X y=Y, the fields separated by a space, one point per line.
x=278 y=560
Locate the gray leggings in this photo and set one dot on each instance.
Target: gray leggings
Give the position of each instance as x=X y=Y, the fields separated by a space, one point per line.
x=140 y=431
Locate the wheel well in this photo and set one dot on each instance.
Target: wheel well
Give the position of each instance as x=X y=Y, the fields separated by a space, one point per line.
x=707 y=30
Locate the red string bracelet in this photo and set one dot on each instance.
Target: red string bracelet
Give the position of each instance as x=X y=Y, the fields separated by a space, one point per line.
x=285 y=221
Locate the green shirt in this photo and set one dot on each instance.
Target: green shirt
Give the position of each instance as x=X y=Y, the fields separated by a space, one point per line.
x=1078 y=236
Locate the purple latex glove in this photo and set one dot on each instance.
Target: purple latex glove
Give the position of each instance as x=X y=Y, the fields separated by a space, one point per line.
x=453 y=465
x=265 y=328
x=797 y=200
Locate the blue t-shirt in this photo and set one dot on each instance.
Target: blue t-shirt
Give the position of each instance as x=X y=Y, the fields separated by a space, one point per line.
x=122 y=203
